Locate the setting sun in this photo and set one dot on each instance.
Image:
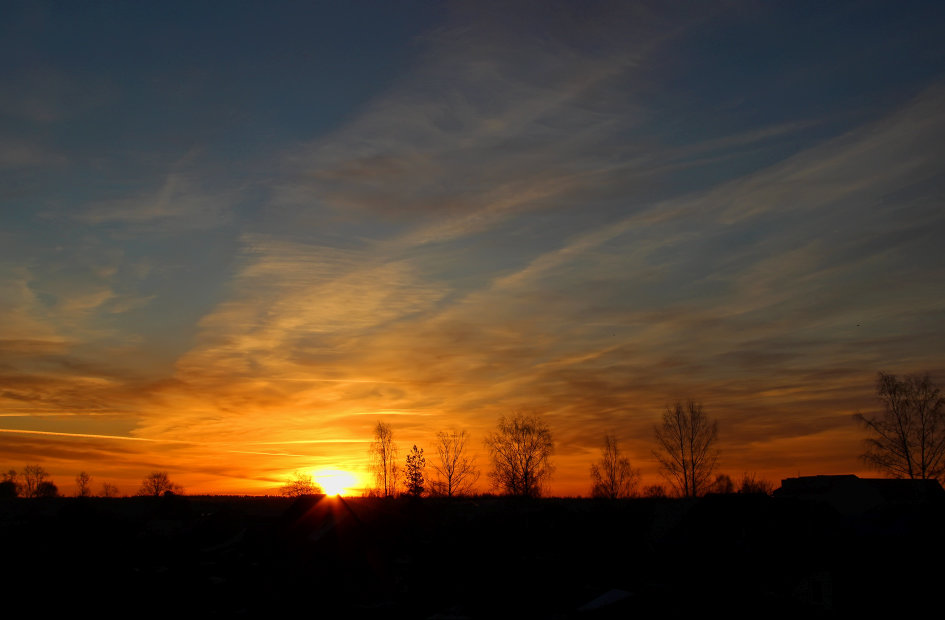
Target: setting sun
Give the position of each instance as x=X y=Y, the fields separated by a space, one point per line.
x=335 y=481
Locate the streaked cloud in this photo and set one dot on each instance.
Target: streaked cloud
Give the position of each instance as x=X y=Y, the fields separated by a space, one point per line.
x=550 y=214
x=179 y=202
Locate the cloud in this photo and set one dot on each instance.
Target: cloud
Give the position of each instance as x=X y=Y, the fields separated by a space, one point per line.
x=178 y=203
x=21 y=308
x=270 y=352
x=65 y=292
x=745 y=296
x=513 y=225
x=54 y=356
x=494 y=122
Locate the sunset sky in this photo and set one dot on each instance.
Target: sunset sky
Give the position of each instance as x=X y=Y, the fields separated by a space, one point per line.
x=234 y=236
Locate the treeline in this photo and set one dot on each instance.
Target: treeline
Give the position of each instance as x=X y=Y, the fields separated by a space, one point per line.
x=34 y=481
x=520 y=451
x=906 y=440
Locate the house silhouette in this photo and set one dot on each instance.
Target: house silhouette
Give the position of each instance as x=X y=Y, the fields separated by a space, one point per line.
x=853 y=496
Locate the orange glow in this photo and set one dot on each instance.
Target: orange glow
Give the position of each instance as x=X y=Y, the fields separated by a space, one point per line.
x=336 y=481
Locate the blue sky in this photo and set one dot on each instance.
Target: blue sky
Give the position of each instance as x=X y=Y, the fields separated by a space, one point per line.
x=242 y=228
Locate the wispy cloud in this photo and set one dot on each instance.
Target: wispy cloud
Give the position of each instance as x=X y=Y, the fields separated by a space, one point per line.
x=686 y=296
x=517 y=222
x=620 y=319
x=493 y=123
x=178 y=203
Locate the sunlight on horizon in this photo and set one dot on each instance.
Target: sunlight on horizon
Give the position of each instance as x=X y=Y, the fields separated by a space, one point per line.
x=336 y=481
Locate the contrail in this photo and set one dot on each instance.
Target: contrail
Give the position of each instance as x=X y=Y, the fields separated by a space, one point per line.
x=91 y=436
x=56 y=415
x=180 y=441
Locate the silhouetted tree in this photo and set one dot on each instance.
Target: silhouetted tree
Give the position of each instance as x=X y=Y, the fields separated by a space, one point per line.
x=687 y=454
x=612 y=475
x=384 y=460
x=908 y=437
x=413 y=472
x=158 y=483
x=33 y=476
x=520 y=450
x=722 y=484
x=109 y=490
x=46 y=488
x=83 y=485
x=654 y=490
x=9 y=484
x=751 y=485
x=456 y=471
x=300 y=484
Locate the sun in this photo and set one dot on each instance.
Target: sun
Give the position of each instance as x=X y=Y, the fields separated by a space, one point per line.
x=335 y=481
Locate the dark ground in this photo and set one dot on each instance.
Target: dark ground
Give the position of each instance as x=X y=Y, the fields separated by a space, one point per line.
x=479 y=558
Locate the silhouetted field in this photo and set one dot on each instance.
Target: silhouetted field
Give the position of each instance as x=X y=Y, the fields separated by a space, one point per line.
x=479 y=558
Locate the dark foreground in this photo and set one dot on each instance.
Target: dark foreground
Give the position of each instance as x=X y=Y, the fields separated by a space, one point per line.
x=476 y=558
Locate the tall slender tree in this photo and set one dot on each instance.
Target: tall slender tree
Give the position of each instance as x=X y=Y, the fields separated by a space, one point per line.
x=383 y=453
x=83 y=484
x=612 y=475
x=686 y=450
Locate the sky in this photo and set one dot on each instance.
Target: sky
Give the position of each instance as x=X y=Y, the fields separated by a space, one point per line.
x=234 y=236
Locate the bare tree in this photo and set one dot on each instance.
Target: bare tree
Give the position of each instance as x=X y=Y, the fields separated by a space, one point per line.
x=300 y=484
x=752 y=485
x=413 y=472
x=612 y=475
x=158 y=483
x=83 y=485
x=908 y=437
x=520 y=450
x=654 y=490
x=723 y=485
x=456 y=471
x=384 y=460
x=33 y=476
x=686 y=448
x=109 y=490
